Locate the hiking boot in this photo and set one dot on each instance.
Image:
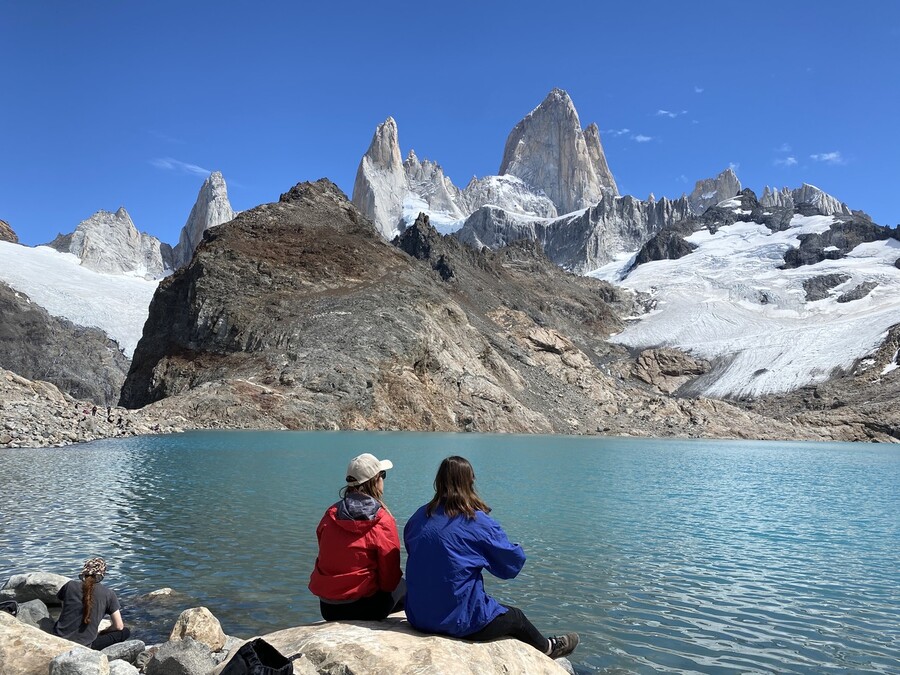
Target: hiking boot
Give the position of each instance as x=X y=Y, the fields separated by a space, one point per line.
x=563 y=645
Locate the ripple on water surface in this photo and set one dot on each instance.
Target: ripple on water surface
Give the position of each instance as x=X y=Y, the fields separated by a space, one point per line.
x=667 y=556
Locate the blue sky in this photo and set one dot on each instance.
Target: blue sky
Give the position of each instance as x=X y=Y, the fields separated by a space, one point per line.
x=109 y=104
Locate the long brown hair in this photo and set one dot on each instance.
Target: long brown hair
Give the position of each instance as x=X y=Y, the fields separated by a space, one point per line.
x=454 y=489
x=87 y=597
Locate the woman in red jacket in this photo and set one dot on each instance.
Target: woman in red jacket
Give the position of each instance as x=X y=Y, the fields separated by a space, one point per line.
x=357 y=574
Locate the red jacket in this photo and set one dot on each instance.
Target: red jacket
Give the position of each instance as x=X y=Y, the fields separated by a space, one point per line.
x=357 y=558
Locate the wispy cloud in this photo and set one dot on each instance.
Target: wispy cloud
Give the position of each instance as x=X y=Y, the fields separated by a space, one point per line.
x=669 y=113
x=829 y=157
x=734 y=166
x=169 y=164
x=785 y=161
x=698 y=90
x=640 y=138
x=784 y=148
x=617 y=132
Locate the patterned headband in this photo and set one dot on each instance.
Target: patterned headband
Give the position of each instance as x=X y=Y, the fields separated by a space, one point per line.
x=94 y=567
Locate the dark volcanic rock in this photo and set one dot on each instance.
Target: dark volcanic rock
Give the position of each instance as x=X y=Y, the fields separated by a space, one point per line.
x=81 y=361
x=7 y=234
x=817 y=288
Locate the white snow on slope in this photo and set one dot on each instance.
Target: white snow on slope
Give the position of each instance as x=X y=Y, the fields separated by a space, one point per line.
x=116 y=304
x=728 y=302
x=442 y=221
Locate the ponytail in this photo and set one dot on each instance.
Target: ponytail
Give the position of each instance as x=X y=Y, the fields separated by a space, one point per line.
x=87 y=597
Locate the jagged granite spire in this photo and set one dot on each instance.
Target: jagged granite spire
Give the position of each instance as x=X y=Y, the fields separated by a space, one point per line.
x=550 y=152
x=822 y=202
x=110 y=243
x=710 y=191
x=381 y=183
x=211 y=208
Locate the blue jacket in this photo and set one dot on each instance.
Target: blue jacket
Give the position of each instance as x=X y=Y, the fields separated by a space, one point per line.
x=445 y=556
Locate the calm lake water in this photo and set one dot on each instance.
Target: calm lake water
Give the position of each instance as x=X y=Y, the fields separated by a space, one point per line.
x=667 y=556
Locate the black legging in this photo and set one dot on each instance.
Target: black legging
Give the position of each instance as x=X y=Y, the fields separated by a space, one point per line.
x=374 y=608
x=112 y=637
x=515 y=624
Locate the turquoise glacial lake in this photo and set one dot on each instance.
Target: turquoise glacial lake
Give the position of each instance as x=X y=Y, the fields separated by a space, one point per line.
x=667 y=556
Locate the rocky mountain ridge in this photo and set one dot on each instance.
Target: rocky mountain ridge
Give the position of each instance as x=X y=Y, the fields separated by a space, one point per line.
x=82 y=361
x=334 y=328
x=110 y=243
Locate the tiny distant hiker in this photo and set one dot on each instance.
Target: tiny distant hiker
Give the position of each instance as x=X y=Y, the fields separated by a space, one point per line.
x=449 y=541
x=357 y=574
x=85 y=603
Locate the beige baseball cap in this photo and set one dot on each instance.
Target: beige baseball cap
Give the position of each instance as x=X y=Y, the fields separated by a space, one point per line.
x=366 y=467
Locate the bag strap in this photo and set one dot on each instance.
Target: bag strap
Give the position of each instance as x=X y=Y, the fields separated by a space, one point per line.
x=295 y=656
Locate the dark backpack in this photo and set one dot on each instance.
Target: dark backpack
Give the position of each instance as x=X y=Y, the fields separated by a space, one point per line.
x=258 y=657
x=10 y=606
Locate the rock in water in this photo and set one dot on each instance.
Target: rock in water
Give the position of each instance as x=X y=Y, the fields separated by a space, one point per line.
x=549 y=151
x=41 y=586
x=211 y=208
x=381 y=183
x=200 y=624
x=110 y=243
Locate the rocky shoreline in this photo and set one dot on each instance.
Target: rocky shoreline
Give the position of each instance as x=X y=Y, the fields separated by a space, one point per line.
x=198 y=645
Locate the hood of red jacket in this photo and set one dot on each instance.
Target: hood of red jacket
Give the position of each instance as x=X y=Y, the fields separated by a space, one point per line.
x=356 y=513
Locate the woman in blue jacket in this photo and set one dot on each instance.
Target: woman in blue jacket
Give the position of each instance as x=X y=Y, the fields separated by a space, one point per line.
x=449 y=541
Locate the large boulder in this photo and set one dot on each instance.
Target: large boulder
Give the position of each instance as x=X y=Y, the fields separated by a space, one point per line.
x=122 y=668
x=200 y=624
x=181 y=657
x=25 y=650
x=41 y=586
x=125 y=651
x=35 y=613
x=80 y=662
x=392 y=647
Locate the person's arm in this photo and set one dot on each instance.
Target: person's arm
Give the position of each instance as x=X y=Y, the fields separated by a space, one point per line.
x=502 y=558
x=116 y=618
x=387 y=544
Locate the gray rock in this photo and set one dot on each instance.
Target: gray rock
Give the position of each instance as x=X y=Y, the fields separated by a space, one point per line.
x=816 y=288
x=427 y=180
x=548 y=150
x=34 y=586
x=381 y=184
x=125 y=651
x=710 y=191
x=212 y=208
x=858 y=292
x=34 y=613
x=80 y=662
x=181 y=657
x=81 y=361
x=110 y=243
x=7 y=233
x=122 y=668
x=578 y=242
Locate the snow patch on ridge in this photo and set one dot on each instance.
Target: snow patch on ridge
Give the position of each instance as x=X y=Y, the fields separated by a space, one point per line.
x=117 y=304
x=729 y=303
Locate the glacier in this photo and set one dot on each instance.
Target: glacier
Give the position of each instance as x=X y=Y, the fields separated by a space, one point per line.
x=728 y=302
